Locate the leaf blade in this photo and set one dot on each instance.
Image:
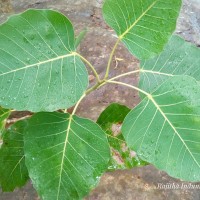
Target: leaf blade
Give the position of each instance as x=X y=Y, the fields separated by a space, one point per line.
x=39 y=69
x=72 y=158
x=178 y=58
x=165 y=125
x=12 y=162
x=111 y=120
x=143 y=26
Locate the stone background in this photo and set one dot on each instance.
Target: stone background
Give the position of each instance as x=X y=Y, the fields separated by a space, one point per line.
x=138 y=183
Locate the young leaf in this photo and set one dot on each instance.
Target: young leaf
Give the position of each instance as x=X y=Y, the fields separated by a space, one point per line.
x=13 y=172
x=39 y=69
x=143 y=26
x=4 y=114
x=164 y=128
x=65 y=155
x=80 y=37
x=111 y=120
x=178 y=58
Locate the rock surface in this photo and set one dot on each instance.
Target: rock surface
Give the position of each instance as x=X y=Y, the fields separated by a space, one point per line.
x=138 y=183
x=189 y=21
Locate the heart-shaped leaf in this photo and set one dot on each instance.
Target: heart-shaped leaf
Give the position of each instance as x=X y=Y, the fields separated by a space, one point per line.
x=111 y=120
x=39 y=70
x=164 y=128
x=178 y=58
x=143 y=26
x=65 y=155
x=13 y=171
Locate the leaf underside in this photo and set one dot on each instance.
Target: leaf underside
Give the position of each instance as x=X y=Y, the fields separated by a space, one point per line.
x=13 y=171
x=111 y=120
x=38 y=69
x=178 y=58
x=143 y=26
x=65 y=155
x=164 y=128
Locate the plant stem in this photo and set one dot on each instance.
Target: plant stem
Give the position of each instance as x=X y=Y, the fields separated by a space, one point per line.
x=111 y=57
x=91 y=66
x=65 y=110
x=125 y=74
x=77 y=104
x=103 y=82
x=142 y=71
x=130 y=86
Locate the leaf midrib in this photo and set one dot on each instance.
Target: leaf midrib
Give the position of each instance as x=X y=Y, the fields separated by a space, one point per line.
x=137 y=20
x=165 y=117
x=63 y=155
x=156 y=72
x=39 y=63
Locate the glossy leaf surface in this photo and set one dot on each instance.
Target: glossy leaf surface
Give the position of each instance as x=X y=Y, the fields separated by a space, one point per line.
x=39 y=70
x=65 y=155
x=178 y=58
x=13 y=172
x=143 y=26
x=164 y=128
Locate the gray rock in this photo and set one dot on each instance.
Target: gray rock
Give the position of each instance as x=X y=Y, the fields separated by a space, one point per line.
x=189 y=21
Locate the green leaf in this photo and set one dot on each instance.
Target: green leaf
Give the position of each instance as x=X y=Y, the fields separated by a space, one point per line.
x=143 y=26
x=65 y=155
x=178 y=58
x=164 y=128
x=39 y=69
x=13 y=171
x=80 y=37
x=111 y=120
x=4 y=114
